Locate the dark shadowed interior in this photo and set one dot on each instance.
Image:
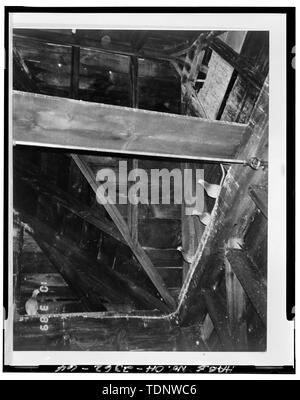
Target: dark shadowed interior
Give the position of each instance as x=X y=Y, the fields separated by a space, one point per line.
x=145 y=276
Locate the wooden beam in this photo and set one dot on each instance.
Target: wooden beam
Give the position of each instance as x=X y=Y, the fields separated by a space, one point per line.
x=259 y=195
x=65 y=123
x=117 y=218
x=134 y=74
x=66 y=38
x=22 y=80
x=96 y=332
x=133 y=213
x=92 y=62
x=229 y=205
x=236 y=307
x=75 y=67
x=96 y=281
x=218 y=314
x=134 y=71
x=238 y=62
x=25 y=173
x=250 y=279
x=138 y=40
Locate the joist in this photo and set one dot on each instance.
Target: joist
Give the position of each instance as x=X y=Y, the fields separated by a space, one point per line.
x=117 y=218
x=40 y=120
x=250 y=279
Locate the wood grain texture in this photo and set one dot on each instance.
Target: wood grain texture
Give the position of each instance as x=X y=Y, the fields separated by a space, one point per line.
x=67 y=201
x=240 y=64
x=88 y=333
x=218 y=314
x=229 y=205
x=124 y=230
x=94 y=282
x=59 y=122
x=251 y=280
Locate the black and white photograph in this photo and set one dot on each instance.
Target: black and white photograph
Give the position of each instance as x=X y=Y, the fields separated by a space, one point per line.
x=139 y=188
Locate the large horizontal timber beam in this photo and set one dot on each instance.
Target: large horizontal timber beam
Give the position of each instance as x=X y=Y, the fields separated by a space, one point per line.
x=28 y=175
x=97 y=332
x=40 y=120
x=121 y=224
x=225 y=218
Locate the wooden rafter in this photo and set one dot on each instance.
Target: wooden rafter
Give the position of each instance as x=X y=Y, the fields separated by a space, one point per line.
x=59 y=122
x=96 y=332
x=92 y=282
x=217 y=311
x=21 y=75
x=227 y=210
x=134 y=74
x=66 y=38
x=117 y=218
x=259 y=195
x=238 y=62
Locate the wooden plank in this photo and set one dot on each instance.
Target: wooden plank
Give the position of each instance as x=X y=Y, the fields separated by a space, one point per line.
x=75 y=66
x=239 y=63
x=133 y=212
x=236 y=307
x=250 y=279
x=94 y=282
x=123 y=228
x=132 y=208
x=218 y=314
x=225 y=219
x=66 y=38
x=22 y=80
x=96 y=332
x=90 y=215
x=134 y=71
x=259 y=195
x=18 y=245
x=164 y=257
x=41 y=120
x=160 y=233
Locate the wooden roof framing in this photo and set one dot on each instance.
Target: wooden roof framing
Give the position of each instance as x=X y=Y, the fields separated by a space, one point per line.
x=53 y=122
x=117 y=218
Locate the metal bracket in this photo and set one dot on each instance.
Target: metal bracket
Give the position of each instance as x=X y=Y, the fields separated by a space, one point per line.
x=255 y=163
